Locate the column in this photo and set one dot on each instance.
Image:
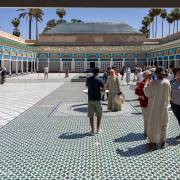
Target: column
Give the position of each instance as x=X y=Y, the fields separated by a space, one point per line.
x=10 y=67
x=61 y=65
x=147 y=64
x=85 y=64
x=48 y=62
x=72 y=65
x=111 y=63
x=27 y=66
x=135 y=61
x=153 y=61
x=34 y=65
x=99 y=63
x=37 y=64
x=16 y=67
x=168 y=62
x=123 y=63
x=21 y=66
x=31 y=67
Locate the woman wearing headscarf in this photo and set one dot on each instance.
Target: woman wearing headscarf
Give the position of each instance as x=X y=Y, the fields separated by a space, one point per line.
x=143 y=100
x=114 y=88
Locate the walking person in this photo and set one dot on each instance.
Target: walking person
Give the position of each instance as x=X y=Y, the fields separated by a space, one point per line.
x=158 y=93
x=66 y=72
x=143 y=100
x=46 y=70
x=105 y=78
x=95 y=86
x=128 y=74
x=114 y=88
x=175 y=96
x=122 y=72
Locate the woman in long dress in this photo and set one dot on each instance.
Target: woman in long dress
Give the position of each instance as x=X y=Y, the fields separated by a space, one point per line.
x=114 y=88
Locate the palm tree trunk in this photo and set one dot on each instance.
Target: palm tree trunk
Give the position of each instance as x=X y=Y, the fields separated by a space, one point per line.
x=149 y=34
x=30 y=22
x=162 y=27
x=152 y=29
x=36 y=29
x=174 y=28
x=177 y=25
x=156 y=27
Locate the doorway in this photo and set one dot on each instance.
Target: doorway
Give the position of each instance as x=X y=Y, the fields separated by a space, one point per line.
x=92 y=65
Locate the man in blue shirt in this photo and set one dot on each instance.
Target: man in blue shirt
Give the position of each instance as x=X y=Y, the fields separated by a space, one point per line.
x=95 y=85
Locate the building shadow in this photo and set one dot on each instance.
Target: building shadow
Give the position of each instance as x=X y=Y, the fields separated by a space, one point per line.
x=130 y=137
x=135 y=151
x=71 y=135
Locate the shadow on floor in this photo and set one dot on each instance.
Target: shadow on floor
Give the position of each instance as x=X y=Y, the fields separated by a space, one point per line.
x=135 y=151
x=72 y=135
x=130 y=100
x=81 y=109
x=142 y=149
x=136 y=113
x=130 y=137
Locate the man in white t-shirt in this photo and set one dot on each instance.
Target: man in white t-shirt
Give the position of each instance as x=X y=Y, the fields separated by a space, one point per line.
x=46 y=70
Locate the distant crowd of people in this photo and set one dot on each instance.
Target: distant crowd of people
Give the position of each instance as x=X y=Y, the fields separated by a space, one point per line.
x=156 y=88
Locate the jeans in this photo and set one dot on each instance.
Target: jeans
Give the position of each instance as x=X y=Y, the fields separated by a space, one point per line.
x=176 y=111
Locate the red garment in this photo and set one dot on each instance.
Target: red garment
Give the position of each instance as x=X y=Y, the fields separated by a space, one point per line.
x=143 y=100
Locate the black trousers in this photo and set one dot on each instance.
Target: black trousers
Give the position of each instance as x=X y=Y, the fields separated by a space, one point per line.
x=176 y=111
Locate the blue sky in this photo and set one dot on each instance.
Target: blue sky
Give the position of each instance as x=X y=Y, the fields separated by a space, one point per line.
x=131 y=16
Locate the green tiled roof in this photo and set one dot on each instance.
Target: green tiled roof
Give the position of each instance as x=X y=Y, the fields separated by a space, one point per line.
x=91 y=28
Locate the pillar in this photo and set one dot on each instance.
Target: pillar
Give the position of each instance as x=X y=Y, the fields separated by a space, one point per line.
x=17 y=67
x=61 y=65
x=99 y=63
x=22 y=66
x=10 y=67
x=34 y=65
x=27 y=66
x=85 y=64
x=111 y=62
x=72 y=65
x=37 y=65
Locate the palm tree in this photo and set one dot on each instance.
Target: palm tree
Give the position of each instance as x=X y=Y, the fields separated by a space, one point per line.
x=50 y=24
x=176 y=16
x=16 y=22
x=170 y=20
x=146 y=23
x=61 y=13
x=145 y=31
x=28 y=14
x=151 y=15
x=38 y=13
x=156 y=13
x=163 y=15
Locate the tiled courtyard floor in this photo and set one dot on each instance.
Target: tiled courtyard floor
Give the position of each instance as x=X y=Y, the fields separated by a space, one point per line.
x=50 y=140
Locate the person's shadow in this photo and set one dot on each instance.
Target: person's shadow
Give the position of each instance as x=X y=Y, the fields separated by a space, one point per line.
x=71 y=135
x=143 y=148
x=135 y=151
x=130 y=137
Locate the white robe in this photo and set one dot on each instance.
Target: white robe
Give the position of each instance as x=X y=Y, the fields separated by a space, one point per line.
x=158 y=93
